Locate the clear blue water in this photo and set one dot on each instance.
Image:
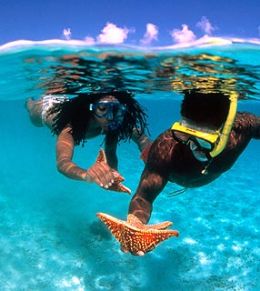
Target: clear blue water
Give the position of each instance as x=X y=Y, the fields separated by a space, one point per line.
x=49 y=235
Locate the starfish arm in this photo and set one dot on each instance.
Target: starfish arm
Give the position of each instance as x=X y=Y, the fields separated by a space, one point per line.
x=133 y=220
x=162 y=225
x=133 y=239
x=118 y=187
x=101 y=156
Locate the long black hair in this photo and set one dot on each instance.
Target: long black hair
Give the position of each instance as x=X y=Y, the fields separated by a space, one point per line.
x=76 y=113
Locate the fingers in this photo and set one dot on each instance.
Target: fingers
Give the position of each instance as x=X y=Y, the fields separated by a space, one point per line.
x=106 y=177
x=102 y=175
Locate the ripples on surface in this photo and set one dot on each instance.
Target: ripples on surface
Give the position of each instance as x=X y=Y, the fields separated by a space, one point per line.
x=36 y=70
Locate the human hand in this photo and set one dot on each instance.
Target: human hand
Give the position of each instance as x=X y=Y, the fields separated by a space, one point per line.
x=117 y=185
x=106 y=177
x=134 y=236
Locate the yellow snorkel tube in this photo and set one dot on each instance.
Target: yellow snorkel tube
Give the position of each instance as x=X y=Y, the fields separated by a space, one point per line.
x=218 y=138
x=224 y=134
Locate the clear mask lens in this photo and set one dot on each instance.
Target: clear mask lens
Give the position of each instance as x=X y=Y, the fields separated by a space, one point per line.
x=109 y=109
x=113 y=111
x=204 y=144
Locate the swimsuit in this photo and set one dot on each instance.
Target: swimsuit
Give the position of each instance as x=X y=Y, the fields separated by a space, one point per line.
x=48 y=102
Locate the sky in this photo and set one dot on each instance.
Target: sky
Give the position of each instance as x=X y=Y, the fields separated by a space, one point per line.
x=137 y=22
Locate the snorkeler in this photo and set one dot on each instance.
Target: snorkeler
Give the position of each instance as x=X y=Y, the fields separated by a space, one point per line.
x=116 y=115
x=204 y=144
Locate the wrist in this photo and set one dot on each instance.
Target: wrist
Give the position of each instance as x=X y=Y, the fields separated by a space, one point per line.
x=85 y=176
x=135 y=221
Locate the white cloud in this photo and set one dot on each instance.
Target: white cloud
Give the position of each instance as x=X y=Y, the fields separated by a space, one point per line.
x=205 y=25
x=67 y=33
x=89 y=40
x=183 y=35
x=112 y=34
x=150 y=34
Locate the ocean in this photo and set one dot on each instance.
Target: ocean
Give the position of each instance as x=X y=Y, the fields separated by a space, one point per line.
x=50 y=236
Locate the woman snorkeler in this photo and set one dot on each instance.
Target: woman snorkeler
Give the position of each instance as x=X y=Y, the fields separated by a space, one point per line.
x=116 y=115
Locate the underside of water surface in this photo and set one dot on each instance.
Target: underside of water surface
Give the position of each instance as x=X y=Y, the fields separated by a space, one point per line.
x=51 y=238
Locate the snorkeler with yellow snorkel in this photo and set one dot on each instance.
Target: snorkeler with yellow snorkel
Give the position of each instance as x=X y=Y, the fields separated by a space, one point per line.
x=204 y=144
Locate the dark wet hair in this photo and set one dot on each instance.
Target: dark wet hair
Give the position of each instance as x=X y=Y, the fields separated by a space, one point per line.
x=205 y=109
x=75 y=112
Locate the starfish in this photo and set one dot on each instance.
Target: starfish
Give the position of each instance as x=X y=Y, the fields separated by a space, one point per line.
x=117 y=185
x=137 y=241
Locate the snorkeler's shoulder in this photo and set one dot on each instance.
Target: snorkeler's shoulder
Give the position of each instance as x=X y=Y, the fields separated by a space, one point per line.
x=162 y=147
x=246 y=120
x=165 y=137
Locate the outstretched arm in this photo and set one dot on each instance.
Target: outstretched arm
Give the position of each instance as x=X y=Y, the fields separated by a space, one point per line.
x=134 y=235
x=150 y=186
x=154 y=177
x=64 y=155
x=100 y=173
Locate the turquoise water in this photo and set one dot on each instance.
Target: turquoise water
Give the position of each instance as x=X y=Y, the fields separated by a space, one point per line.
x=50 y=236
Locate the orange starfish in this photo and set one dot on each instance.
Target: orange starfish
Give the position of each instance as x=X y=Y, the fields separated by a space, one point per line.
x=137 y=240
x=117 y=185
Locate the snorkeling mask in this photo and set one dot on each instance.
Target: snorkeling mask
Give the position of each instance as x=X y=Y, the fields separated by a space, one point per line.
x=113 y=111
x=210 y=142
